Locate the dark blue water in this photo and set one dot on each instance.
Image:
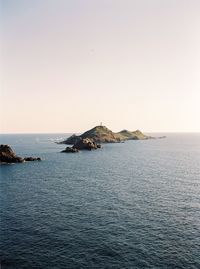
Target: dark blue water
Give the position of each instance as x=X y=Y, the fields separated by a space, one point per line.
x=128 y=205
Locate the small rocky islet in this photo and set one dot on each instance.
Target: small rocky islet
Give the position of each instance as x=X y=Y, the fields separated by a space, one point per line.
x=7 y=155
x=82 y=144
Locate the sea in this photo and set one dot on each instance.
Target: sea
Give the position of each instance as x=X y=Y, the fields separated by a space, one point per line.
x=127 y=205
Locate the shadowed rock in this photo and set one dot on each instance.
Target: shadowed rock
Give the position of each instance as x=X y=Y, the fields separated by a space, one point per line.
x=70 y=150
x=7 y=155
x=86 y=144
x=71 y=140
x=30 y=159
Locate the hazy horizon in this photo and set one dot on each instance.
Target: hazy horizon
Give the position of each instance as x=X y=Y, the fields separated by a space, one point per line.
x=69 y=65
x=82 y=131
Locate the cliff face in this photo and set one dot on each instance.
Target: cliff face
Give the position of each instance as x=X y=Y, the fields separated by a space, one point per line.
x=101 y=134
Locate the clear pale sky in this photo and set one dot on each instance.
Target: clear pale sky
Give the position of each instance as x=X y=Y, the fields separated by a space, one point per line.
x=70 y=64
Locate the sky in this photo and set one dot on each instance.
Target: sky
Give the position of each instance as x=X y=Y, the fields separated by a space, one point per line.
x=68 y=65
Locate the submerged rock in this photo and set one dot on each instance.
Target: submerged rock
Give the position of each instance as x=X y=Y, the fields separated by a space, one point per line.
x=7 y=155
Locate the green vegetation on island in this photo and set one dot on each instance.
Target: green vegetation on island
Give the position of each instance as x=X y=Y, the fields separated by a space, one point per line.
x=101 y=134
x=135 y=135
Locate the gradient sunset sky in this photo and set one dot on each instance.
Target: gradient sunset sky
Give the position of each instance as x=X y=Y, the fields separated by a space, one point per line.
x=68 y=65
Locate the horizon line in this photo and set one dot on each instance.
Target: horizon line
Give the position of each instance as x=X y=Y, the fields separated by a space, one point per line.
x=169 y=132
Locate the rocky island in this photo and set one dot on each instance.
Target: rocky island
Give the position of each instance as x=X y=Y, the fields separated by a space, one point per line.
x=7 y=155
x=101 y=134
x=93 y=138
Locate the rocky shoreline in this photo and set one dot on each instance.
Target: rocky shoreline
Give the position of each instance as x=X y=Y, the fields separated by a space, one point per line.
x=7 y=155
x=82 y=144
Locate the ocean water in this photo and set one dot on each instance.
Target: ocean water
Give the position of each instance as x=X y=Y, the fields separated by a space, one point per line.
x=129 y=205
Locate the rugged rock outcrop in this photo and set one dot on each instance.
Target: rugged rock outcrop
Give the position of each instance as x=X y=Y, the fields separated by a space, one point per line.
x=71 y=140
x=82 y=144
x=86 y=144
x=7 y=155
x=70 y=150
x=30 y=159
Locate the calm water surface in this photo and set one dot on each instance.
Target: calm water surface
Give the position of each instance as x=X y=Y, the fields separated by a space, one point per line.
x=129 y=205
